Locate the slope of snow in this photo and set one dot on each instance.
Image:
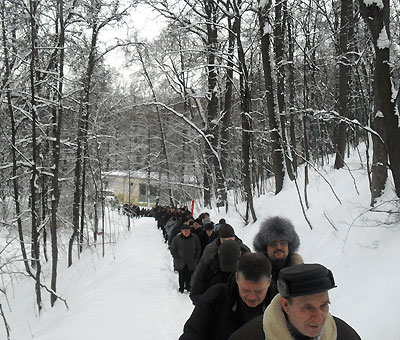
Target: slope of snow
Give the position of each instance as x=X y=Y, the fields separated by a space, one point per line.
x=131 y=293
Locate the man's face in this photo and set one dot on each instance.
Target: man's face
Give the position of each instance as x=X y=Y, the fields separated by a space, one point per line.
x=307 y=313
x=278 y=250
x=252 y=293
x=196 y=225
x=186 y=232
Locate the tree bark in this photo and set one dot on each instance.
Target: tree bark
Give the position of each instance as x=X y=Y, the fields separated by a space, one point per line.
x=279 y=39
x=344 y=69
x=57 y=126
x=377 y=19
x=277 y=155
x=13 y=142
x=34 y=175
x=245 y=105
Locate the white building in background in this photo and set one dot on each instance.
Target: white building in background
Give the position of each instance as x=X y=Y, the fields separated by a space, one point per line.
x=132 y=187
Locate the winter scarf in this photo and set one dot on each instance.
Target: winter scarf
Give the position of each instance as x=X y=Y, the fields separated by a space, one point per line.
x=275 y=326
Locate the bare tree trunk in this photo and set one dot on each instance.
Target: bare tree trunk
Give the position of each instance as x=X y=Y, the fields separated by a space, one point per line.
x=307 y=157
x=279 y=39
x=228 y=98
x=346 y=13
x=57 y=125
x=377 y=19
x=245 y=100
x=212 y=129
x=277 y=155
x=77 y=182
x=293 y=144
x=34 y=215
x=13 y=141
x=162 y=134
x=82 y=148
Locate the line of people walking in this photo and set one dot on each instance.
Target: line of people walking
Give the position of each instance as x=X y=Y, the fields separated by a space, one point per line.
x=239 y=294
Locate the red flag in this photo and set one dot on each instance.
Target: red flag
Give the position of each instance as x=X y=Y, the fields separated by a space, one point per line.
x=191 y=212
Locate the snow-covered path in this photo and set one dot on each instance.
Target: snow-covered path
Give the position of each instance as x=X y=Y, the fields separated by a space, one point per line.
x=131 y=295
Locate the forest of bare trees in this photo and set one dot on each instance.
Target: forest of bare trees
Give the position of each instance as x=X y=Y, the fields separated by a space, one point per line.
x=232 y=95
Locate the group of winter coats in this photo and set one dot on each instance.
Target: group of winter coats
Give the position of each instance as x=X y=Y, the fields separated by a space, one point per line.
x=218 y=313
x=186 y=247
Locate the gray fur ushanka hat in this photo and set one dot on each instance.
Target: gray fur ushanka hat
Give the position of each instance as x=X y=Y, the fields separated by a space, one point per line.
x=273 y=229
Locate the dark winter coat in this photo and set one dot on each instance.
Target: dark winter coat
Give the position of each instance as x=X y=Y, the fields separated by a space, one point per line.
x=208 y=239
x=208 y=275
x=219 y=313
x=212 y=249
x=174 y=230
x=185 y=251
x=254 y=330
x=199 y=233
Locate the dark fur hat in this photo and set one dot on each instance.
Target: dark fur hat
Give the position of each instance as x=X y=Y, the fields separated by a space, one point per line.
x=273 y=229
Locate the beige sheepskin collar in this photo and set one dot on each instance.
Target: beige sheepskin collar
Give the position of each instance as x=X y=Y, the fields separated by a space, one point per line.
x=275 y=326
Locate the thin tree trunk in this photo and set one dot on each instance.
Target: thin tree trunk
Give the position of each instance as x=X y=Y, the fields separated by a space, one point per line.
x=307 y=157
x=293 y=144
x=57 y=124
x=344 y=69
x=245 y=99
x=77 y=182
x=228 y=98
x=279 y=39
x=163 y=141
x=13 y=142
x=34 y=215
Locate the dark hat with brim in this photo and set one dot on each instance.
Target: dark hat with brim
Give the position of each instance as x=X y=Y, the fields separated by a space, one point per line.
x=305 y=279
x=228 y=255
x=185 y=226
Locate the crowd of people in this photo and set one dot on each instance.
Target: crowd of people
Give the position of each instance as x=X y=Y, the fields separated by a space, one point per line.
x=133 y=210
x=239 y=294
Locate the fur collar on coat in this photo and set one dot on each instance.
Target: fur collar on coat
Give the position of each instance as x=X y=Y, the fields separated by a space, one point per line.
x=275 y=326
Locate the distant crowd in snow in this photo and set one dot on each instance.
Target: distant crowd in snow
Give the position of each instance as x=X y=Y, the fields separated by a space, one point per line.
x=239 y=294
x=133 y=210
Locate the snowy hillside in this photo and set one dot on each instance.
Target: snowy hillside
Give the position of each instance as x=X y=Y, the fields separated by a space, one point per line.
x=132 y=292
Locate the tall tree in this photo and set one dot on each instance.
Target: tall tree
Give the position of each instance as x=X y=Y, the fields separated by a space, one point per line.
x=346 y=14
x=56 y=147
x=34 y=75
x=276 y=149
x=376 y=16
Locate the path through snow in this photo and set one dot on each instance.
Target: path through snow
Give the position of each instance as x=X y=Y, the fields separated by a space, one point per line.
x=132 y=294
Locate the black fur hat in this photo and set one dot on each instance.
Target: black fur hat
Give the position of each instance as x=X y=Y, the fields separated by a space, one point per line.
x=273 y=229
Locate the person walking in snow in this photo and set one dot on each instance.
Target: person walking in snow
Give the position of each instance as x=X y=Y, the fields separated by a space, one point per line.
x=226 y=233
x=217 y=270
x=168 y=227
x=278 y=240
x=226 y=307
x=185 y=250
x=209 y=236
x=301 y=309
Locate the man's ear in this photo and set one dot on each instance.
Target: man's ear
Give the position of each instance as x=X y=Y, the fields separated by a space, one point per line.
x=285 y=304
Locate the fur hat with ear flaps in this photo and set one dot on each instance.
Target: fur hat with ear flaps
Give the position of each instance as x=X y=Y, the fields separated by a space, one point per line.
x=274 y=229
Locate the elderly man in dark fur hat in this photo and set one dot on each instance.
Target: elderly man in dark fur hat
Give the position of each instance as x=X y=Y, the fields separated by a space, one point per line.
x=278 y=240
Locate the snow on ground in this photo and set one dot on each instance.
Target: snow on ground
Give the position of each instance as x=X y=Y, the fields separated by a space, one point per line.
x=132 y=292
